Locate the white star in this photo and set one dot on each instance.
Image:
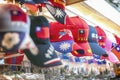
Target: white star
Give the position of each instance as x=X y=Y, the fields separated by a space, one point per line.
x=118 y=48
x=59 y=13
x=47 y=55
x=64 y=46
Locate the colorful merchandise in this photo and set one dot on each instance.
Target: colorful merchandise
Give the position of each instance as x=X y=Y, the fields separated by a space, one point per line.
x=43 y=55
x=14 y=25
x=80 y=32
x=62 y=39
x=92 y=39
x=101 y=36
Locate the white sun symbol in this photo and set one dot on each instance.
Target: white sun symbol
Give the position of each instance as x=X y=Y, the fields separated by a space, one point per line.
x=64 y=46
x=59 y=13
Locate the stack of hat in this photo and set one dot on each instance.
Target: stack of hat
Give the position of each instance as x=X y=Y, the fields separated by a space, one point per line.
x=105 y=42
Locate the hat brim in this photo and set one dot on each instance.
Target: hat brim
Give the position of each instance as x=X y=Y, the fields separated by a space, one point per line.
x=117 y=53
x=86 y=47
x=46 y=56
x=67 y=46
x=96 y=49
x=112 y=57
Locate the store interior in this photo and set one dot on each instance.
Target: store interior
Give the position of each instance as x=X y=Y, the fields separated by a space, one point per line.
x=59 y=40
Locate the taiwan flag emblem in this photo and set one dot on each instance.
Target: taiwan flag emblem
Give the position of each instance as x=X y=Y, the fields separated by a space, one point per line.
x=18 y=16
x=116 y=51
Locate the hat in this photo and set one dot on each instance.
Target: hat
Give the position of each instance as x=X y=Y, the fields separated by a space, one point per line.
x=112 y=46
x=92 y=39
x=13 y=18
x=116 y=51
x=14 y=25
x=62 y=39
x=80 y=32
x=110 y=41
x=59 y=14
x=43 y=55
x=108 y=44
x=101 y=36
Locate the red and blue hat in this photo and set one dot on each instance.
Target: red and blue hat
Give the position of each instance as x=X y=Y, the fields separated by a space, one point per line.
x=80 y=32
x=43 y=55
x=62 y=39
x=105 y=42
x=93 y=42
x=101 y=36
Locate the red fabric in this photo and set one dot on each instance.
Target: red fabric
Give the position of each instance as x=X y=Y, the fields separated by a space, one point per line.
x=18 y=16
x=56 y=30
x=86 y=48
x=19 y=59
x=16 y=13
x=117 y=39
x=60 y=32
x=79 y=24
x=101 y=33
x=116 y=53
x=81 y=39
x=43 y=33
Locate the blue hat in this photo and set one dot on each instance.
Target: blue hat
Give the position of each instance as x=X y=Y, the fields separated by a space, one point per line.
x=44 y=54
x=92 y=39
x=14 y=25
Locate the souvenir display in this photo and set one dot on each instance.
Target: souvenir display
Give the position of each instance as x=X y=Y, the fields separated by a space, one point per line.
x=34 y=46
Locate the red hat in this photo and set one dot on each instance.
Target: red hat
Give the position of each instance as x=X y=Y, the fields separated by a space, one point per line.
x=101 y=36
x=116 y=51
x=117 y=39
x=80 y=32
x=62 y=39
